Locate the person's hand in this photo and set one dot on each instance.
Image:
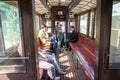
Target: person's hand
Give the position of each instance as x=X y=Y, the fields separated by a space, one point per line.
x=49 y=60
x=47 y=39
x=46 y=59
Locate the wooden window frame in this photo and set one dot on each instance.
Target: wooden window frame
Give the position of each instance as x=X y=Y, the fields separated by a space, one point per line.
x=88 y=23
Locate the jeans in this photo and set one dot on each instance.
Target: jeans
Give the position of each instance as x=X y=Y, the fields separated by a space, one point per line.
x=66 y=43
x=54 y=45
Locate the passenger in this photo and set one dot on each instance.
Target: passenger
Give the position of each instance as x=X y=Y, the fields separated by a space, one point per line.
x=73 y=36
x=56 y=30
x=53 y=41
x=44 y=37
x=47 y=64
x=50 y=55
x=60 y=38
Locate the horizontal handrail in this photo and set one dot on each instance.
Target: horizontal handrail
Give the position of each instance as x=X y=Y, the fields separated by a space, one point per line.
x=11 y=58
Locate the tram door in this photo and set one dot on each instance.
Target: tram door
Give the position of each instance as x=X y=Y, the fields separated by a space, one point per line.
x=109 y=56
x=63 y=27
x=114 y=44
x=17 y=58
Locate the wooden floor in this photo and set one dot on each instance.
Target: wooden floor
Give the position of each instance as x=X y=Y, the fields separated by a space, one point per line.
x=66 y=62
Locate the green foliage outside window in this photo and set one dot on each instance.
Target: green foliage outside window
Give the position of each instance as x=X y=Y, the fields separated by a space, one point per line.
x=10 y=24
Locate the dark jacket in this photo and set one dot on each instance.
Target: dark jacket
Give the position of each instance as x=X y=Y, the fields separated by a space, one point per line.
x=73 y=36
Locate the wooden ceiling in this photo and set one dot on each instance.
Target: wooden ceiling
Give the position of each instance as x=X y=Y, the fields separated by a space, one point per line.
x=59 y=2
x=39 y=7
x=84 y=5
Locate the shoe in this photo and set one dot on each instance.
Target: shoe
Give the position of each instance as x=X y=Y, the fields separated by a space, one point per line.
x=61 y=72
x=57 y=78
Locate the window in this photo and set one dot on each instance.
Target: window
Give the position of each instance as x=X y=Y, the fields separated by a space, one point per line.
x=95 y=28
x=83 y=23
x=114 y=56
x=91 y=23
x=70 y=23
x=48 y=23
x=36 y=24
x=11 y=48
x=10 y=24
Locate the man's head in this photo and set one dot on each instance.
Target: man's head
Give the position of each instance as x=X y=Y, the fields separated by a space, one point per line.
x=44 y=28
x=72 y=28
x=60 y=25
x=57 y=24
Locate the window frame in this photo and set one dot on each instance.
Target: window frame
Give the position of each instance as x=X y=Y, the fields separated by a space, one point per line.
x=93 y=25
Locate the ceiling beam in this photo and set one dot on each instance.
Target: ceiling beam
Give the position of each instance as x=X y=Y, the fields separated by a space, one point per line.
x=44 y=2
x=73 y=4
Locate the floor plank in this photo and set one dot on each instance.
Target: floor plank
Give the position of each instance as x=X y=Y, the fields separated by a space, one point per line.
x=66 y=62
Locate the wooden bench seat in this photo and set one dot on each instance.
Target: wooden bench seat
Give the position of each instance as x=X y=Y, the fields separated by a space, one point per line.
x=84 y=48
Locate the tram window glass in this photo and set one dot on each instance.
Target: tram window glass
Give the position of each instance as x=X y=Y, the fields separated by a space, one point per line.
x=114 y=56
x=11 y=51
x=95 y=30
x=48 y=24
x=71 y=23
x=49 y=30
x=83 y=23
x=63 y=25
x=91 y=23
x=36 y=24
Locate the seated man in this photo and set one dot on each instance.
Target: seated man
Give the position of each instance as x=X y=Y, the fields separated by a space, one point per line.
x=44 y=38
x=47 y=64
x=53 y=41
x=73 y=36
x=47 y=54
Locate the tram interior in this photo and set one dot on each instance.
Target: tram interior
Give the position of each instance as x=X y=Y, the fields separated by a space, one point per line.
x=82 y=15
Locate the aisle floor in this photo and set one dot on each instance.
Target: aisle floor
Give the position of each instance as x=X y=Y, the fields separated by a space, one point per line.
x=68 y=63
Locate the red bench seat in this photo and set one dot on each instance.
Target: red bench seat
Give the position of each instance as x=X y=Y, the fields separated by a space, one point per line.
x=84 y=48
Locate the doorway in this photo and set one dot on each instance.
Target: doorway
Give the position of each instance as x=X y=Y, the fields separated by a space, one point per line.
x=63 y=27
